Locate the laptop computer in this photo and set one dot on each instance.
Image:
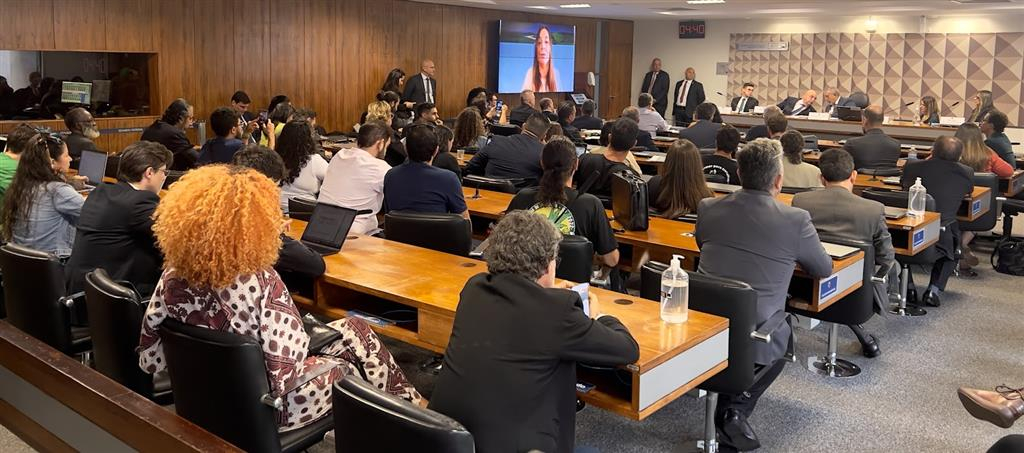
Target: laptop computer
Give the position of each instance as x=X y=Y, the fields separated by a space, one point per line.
x=837 y=251
x=93 y=166
x=327 y=228
x=848 y=113
x=893 y=213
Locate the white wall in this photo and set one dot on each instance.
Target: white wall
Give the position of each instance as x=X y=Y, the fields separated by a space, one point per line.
x=660 y=38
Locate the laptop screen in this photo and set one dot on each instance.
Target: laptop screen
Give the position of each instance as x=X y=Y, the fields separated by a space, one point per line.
x=93 y=166
x=329 y=225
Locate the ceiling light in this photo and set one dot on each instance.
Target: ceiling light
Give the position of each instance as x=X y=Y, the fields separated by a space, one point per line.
x=539 y=7
x=667 y=13
x=871 y=25
x=575 y=5
x=704 y=2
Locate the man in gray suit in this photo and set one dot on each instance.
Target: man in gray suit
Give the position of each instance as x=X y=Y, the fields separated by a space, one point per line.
x=765 y=260
x=833 y=101
x=838 y=212
x=874 y=149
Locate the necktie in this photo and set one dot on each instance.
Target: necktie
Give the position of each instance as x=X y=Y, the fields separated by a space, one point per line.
x=743 y=103
x=654 y=76
x=430 y=93
x=682 y=93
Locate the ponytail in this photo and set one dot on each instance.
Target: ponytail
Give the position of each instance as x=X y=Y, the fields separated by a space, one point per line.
x=558 y=160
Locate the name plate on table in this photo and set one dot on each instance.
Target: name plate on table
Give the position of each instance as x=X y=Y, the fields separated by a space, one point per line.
x=725 y=110
x=828 y=287
x=819 y=116
x=918 y=238
x=975 y=207
x=951 y=120
x=759 y=109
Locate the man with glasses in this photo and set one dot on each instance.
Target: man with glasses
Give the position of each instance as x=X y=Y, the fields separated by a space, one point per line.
x=83 y=131
x=115 y=230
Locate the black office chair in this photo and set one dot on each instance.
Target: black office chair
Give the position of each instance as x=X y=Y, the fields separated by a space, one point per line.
x=705 y=152
x=875 y=173
x=37 y=302
x=853 y=309
x=576 y=255
x=505 y=129
x=113 y=160
x=220 y=383
x=449 y=233
x=494 y=184
x=115 y=320
x=737 y=302
x=361 y=413
x=301 y=208
x=811 y=142
x=908 y=293
x=1011 y=208
x=714 y=177
x=796 y=190
x=860 y=100
x=172 y=177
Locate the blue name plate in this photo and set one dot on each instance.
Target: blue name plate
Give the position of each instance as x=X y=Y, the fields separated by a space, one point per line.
x=828 y=287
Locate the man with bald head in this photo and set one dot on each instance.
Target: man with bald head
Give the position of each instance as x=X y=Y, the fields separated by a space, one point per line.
x=833 y=101
x=421 y=87
x=688 y=95
x=83 y=131
x=527 y=106
x=799 y=106
x=874 y=149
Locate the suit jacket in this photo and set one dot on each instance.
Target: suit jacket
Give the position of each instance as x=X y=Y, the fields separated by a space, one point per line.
x=185 y=155
x=76 y=144
x=659 y=91
x=520 y=114
x=298 y=265
x=751 y=103
x=874 y=149
x=587 y=122
x=644 y=140
x=765 y=260
x=515 y=156
x=838 y=212
x=757 y=131
x=703 y=133
x=790 y=102
x=841 y=102
x=416 y=91
x=947 y=182
x=115 y=232
x=694 y=98
x=516 y=391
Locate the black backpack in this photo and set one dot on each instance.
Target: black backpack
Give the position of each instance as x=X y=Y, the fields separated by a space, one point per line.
x=1008 y=256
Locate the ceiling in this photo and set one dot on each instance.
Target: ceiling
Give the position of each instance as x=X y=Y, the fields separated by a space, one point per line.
x=672 y=9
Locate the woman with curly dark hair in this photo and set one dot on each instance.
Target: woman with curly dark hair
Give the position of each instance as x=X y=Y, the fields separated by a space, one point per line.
x=304 y=167
x=469 y=129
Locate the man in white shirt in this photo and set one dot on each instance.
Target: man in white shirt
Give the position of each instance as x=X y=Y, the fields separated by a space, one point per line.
x=799 y=106
x=355 y=176
x=650 y=120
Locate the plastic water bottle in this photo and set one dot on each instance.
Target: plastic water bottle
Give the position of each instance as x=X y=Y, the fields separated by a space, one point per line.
x=912 y=155
x=675 y=293
x=918 y=195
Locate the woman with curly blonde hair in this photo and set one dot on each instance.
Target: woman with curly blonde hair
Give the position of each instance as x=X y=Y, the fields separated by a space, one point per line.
x=220 y=234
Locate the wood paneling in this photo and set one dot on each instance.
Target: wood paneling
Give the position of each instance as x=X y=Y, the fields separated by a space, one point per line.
x=328 y=55
x=615 y=73
x=110 y=142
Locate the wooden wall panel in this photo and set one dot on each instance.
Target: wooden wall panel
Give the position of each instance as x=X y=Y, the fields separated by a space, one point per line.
x=329 y=55
x=615 y=75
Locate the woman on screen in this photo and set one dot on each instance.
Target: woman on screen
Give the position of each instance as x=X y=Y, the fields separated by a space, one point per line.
x=542 y=76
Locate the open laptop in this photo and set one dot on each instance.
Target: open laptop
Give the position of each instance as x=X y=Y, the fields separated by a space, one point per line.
x=93 y=166
x=893 y=213
x=327 y=228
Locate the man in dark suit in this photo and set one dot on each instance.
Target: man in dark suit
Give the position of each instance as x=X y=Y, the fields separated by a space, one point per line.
x=765 y=261
x=643 y=138
x=240 y=101
x=792 y=106
x=874 y=149
x=838 y=212
x=517 y=392
x=689 y=94
x=833 y=101
x=115 y=231
x=421 y=87
x=527 y=106
x=83 y=131
x=948 y=182
x=761 y=130
x=703 y=132
x=566 y=115
x=656 y=84
x=746 y=101
x=169 y=131
x=587 y=120
x=515 y=156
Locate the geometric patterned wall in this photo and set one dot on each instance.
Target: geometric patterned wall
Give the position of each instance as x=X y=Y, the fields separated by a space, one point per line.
x=893 y=68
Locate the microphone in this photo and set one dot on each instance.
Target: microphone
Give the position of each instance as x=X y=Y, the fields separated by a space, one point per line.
x=900 y=107
x=950 y=108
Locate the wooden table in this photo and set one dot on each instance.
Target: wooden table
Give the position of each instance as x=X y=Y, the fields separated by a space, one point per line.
x=373 y=275
x=665 y=238
x=900 y=130
x=972 y=208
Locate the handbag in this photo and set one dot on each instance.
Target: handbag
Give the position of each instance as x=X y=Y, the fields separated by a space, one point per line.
x=1008 y=256
x=629 y=201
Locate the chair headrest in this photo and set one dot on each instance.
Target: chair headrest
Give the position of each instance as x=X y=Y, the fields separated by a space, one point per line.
x=358 y=389
x=210 y=337
x=880 y=171
x=100 y=280
x=27 y=252
x=423 y=217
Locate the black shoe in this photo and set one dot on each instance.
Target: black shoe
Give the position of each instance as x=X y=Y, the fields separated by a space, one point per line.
x=735 y=432
x=912 y=296
x=871 y=349
x=931 y=299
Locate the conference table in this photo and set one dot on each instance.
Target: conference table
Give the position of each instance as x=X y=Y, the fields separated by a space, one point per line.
x=664 y=238
x=904 y=131
x=973 y=207
x=376 y=276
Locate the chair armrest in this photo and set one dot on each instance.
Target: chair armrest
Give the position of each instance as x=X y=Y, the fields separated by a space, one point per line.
x=275 y=402
x=943 y=225
x=882 y=273
x=764 y=331
x=69 y=300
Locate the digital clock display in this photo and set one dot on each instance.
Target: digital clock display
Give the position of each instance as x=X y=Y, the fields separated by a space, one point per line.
x=691 y=29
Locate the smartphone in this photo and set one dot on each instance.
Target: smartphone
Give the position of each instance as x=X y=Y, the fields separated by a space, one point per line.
x=263 y=117
x=583 y=289
x=497 y=108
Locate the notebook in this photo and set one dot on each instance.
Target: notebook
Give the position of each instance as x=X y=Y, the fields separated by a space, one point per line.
x=327 y=228
x=93 y=166
x=892 y=181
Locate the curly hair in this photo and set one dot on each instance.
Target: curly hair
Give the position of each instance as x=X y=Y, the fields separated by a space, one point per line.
x=523 y=244
x=295 y=145
x=33 y=173
x=199 y=223
x=469 y=126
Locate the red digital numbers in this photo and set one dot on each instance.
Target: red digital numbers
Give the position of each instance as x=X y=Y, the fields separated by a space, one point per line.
x=693 y=29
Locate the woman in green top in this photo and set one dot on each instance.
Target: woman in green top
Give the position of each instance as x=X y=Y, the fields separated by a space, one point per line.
x=16 y=141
